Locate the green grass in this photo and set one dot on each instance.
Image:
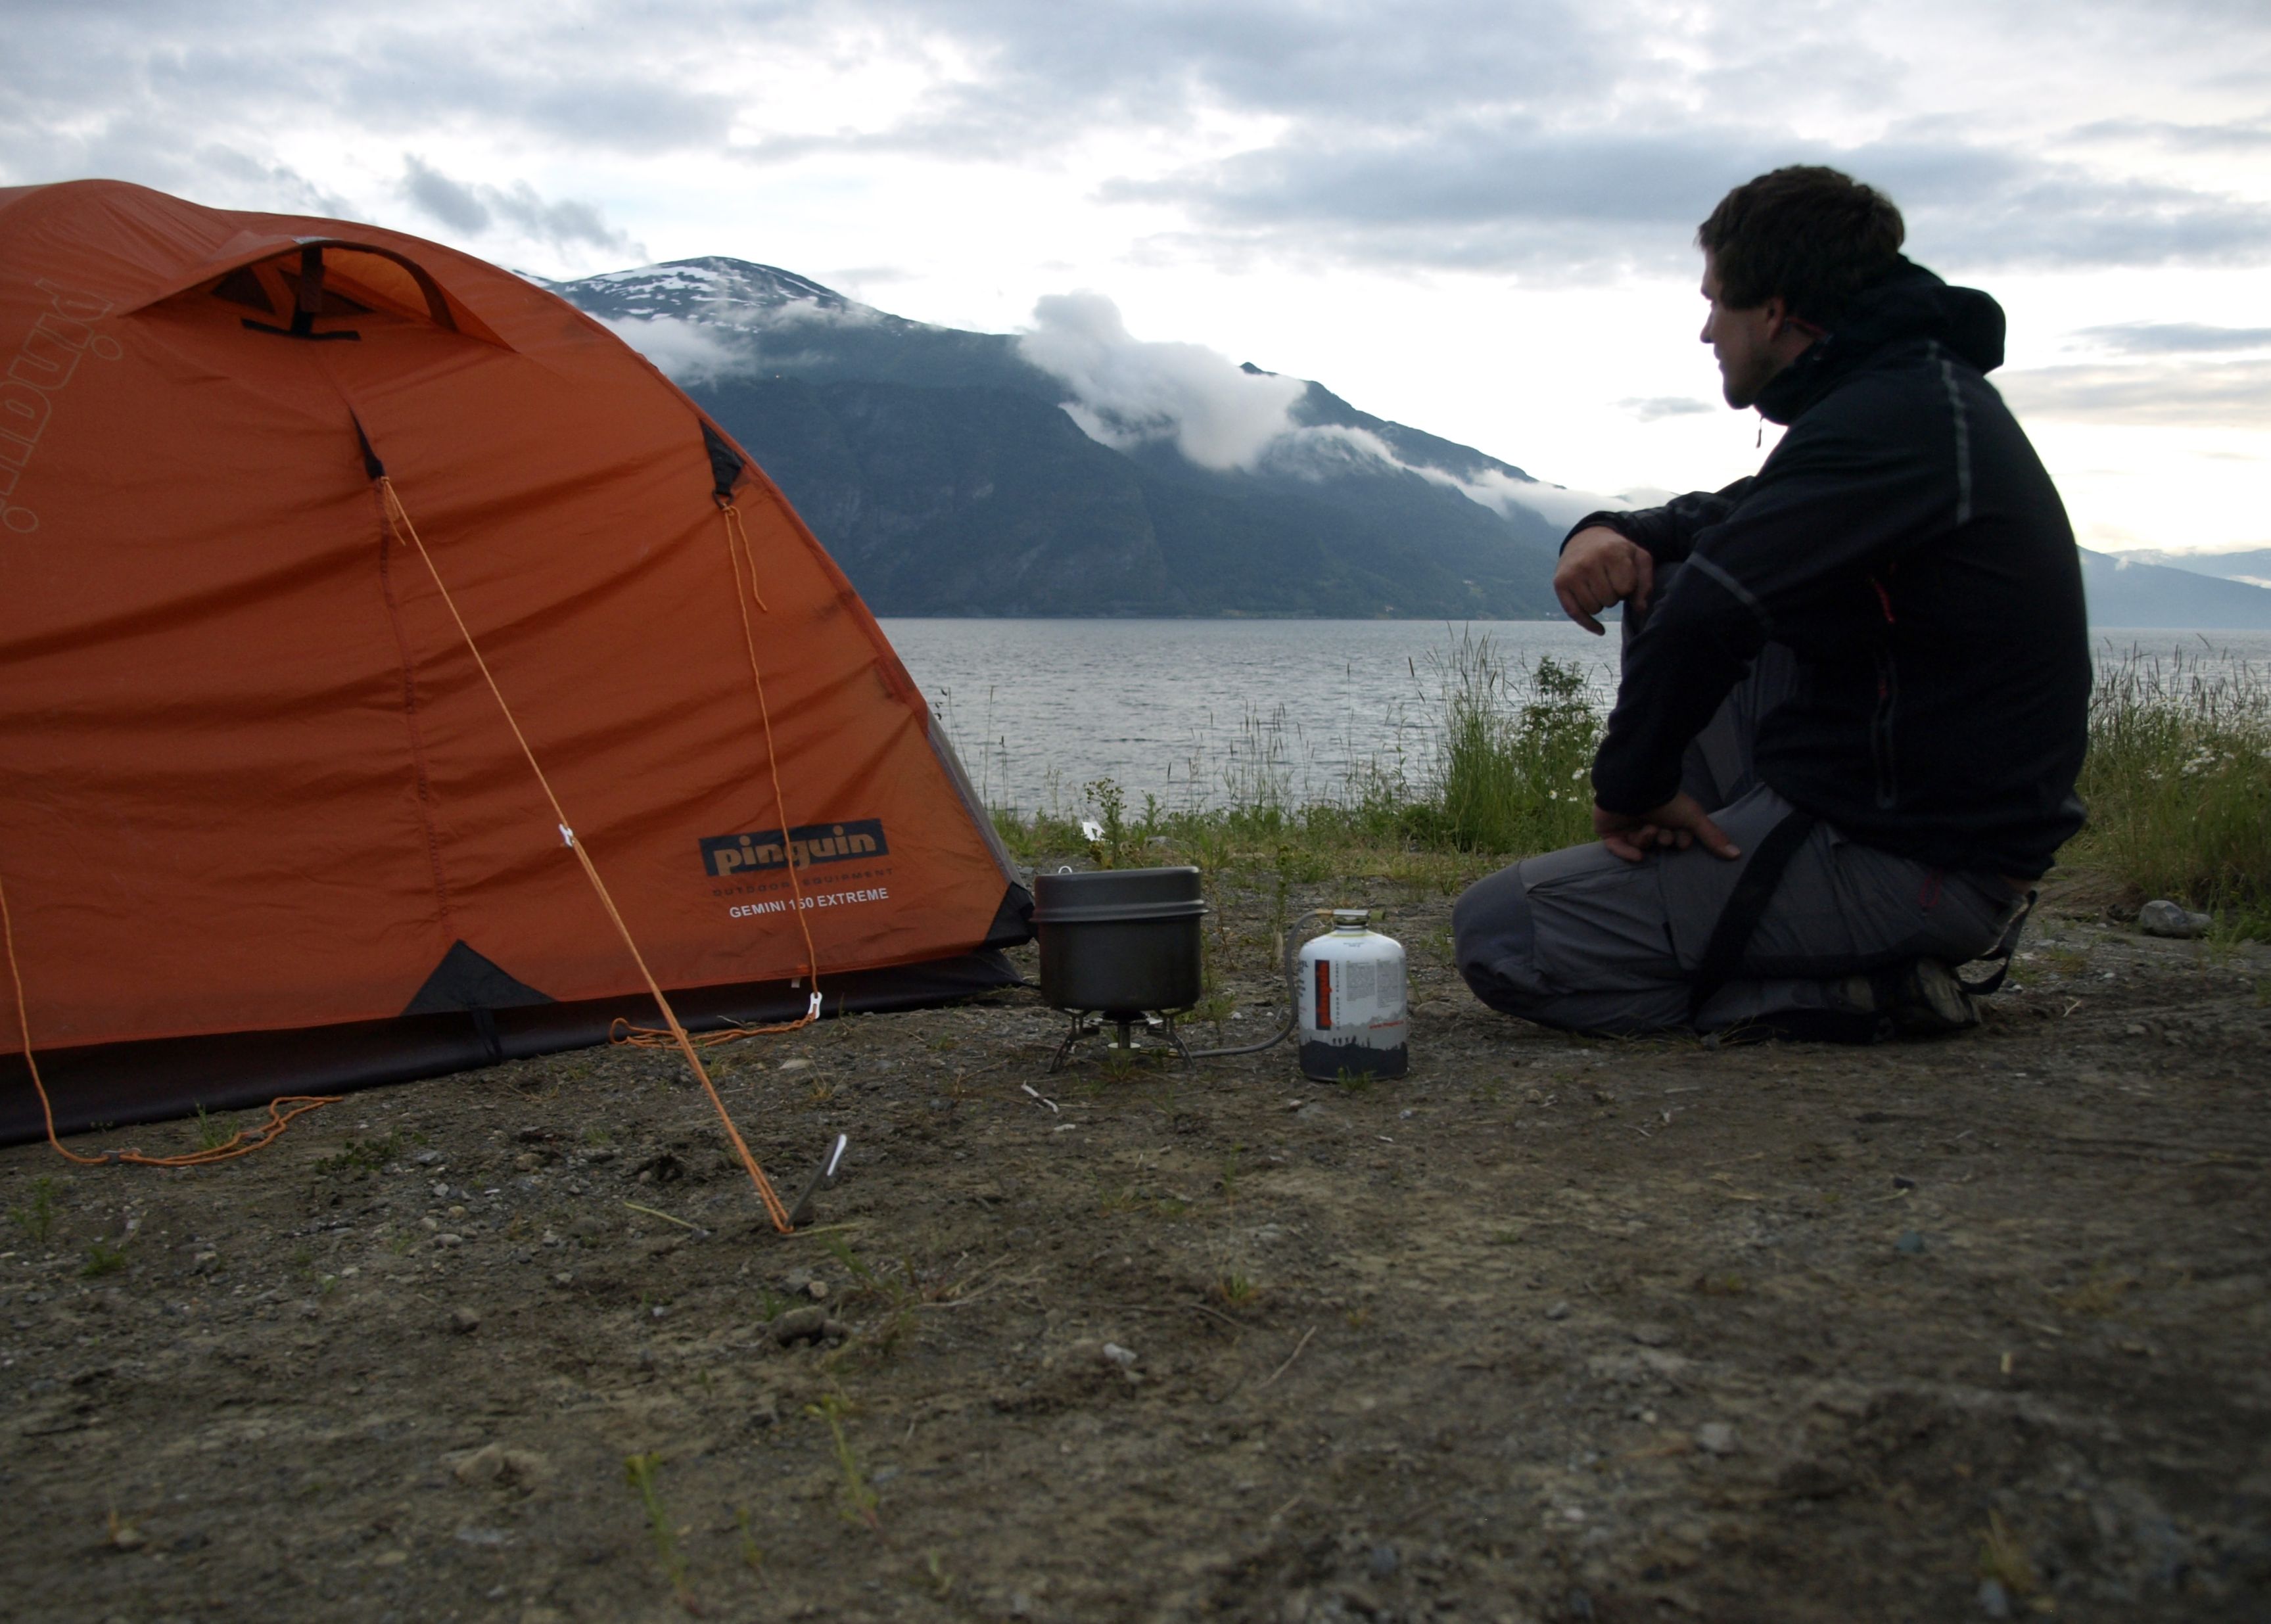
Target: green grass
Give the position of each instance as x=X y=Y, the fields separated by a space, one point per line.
x=2178 y=781
x=37 y=1218
x=643 y=1472
x=2178 y=786
x=1512 y=778
x=103 y=1258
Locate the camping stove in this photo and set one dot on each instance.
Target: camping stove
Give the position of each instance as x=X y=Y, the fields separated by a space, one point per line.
x=1119 y=946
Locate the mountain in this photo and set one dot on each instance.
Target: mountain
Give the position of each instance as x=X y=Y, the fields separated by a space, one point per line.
x=2251 y=565
x=950 y=475
x=2156 y=597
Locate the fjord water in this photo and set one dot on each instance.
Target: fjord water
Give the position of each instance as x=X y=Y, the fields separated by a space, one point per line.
x=1196 y=710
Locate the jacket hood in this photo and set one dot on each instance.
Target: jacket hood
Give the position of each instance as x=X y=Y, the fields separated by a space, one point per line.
x=1911 y=304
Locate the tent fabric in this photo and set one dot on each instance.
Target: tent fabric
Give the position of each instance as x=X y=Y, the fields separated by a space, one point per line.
x=252 y=779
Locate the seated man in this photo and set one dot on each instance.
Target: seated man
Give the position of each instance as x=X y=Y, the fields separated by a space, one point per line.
x=1855 y=685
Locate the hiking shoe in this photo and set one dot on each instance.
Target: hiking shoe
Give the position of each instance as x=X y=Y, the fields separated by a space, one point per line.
x=1926 y=1001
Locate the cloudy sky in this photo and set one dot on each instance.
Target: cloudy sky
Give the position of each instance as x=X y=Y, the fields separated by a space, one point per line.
x=1474 y=216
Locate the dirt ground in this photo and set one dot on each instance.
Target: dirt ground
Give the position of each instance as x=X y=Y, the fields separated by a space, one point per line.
x=1550 y=1330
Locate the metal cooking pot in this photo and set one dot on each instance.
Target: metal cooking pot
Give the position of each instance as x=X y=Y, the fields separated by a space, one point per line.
x=1120 y=941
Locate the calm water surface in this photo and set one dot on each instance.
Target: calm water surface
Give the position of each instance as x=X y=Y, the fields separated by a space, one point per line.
x=1194 y=710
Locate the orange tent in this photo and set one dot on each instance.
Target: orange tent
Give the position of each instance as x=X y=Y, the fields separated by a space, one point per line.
x=263 y=826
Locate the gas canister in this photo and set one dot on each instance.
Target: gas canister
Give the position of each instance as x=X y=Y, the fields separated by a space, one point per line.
x=1351 y=1002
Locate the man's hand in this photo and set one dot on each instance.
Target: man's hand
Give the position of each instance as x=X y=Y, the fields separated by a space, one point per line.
x=1599 y=568
x=1678 y=823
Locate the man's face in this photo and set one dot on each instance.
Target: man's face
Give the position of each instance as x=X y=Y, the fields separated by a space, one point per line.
x=1752 y=344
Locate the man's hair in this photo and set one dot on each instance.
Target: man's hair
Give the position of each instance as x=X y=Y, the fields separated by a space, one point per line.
x=1813 y=235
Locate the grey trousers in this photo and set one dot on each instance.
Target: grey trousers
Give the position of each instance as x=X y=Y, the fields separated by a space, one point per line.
x=1583 y=940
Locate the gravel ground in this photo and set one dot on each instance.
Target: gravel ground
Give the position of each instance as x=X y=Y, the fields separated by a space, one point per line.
x=1550 y=1330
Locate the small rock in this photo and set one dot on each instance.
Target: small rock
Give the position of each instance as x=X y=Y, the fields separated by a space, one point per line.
x=440 y=1188
x=1902 y=1182
x=798 y=1064
x=2163 y=918
x=528 y=1161
x=1382 y=1562
x=1716 y=1437
x=1559 y=1311
x=1994 y=1600
x=447 y=1240
x=801 y=1325
x=1124 y=1357
x=126 y=1536
x=528 y=1468
x=1910 y=1244
x=1651 y=1336
x=533 y=1135
x=482 y=1468
x=465 y=1322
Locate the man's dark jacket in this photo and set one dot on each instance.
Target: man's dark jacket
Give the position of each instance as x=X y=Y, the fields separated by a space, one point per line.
x=1905 y=543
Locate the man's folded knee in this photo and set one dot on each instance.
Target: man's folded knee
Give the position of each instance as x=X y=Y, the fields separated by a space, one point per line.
x=1494 y=942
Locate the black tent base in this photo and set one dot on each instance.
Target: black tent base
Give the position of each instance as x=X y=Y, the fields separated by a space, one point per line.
x=112 y=1084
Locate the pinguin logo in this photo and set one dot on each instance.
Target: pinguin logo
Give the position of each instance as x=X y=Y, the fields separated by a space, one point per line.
x=808 y=843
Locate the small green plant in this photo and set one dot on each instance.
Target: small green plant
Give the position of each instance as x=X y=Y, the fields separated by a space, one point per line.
x=2003 y=1557
x=1110 y=845
x=37 y=1218
x=642 y=1472
x=854 y=1265
x=213 y=1133
x=1235 y=1289
x=941 y=1583
x=1229 y=1180
x=859 y=1500
x=363 y=1155
x=103 y=1258
x=753 y=1554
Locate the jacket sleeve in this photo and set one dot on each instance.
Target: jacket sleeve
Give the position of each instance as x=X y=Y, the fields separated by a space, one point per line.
x=1840 y=500
x=1668 y=533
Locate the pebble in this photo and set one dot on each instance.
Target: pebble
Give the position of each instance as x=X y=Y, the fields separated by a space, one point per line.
x=446 y=1240
x=1124 y=1357
x=500 y=1464
x=1382 y=1563
x=465 y=1322
x=482 y=1468
x=1994 y=1600
x=2163 y=918
x=1559 y=1311
x=526 y=1467
x=805 y=1325
x=126 y=1536
x=1910 y=1244
x=1716 y=1437
x=799 y=1064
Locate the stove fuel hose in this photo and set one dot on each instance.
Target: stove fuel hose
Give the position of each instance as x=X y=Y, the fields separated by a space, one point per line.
x=1292 y=994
